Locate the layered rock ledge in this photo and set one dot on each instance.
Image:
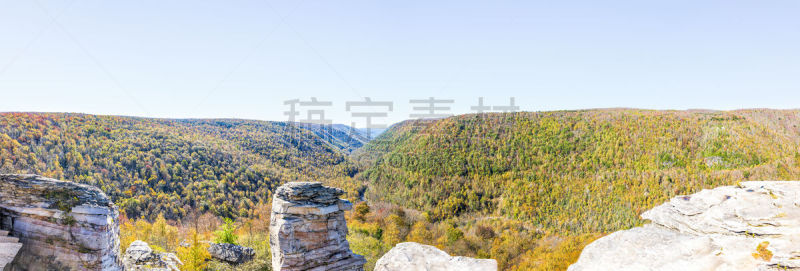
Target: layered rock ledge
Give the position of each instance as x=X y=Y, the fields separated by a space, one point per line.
x=752 y=226
x=308 y=230
x=414 y=256
x=62 y=225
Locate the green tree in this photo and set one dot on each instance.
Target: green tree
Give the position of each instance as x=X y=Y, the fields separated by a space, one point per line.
x=226 y=233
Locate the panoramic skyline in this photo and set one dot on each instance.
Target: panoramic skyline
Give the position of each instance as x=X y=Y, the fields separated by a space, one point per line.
x=189 y=59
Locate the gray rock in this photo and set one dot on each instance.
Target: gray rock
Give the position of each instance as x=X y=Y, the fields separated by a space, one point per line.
x=139 y=252
x=412 y=256
x=716 y=229
x=308 y=193
x=140 y=257
x=231 y=253
x=62 y=225
x=308 y=229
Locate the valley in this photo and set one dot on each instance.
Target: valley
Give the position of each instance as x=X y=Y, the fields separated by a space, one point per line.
x=528 y=189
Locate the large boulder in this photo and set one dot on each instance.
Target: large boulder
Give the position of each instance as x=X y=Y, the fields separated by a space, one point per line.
x=308 y=231
x=231 y=253
x=752 y=226
x=62 y=225
x=140 y=257
x=412 y=256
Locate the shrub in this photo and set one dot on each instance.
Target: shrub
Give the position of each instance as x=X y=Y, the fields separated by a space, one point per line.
x=453 y=235
x=68 y=220
x=226 y=233
x=361 y=211
x=484 y=232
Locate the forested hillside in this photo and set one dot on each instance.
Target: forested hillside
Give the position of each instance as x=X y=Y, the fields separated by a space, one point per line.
x=154 y=166
x=572 y=173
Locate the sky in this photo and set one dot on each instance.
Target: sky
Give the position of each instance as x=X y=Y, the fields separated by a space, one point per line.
x=244 y=59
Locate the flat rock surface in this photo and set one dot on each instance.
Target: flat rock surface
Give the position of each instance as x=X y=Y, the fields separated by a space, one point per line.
x=714 y=229
x=410 y=256
x=7 y=253
x=308 y=193
x=29 y=190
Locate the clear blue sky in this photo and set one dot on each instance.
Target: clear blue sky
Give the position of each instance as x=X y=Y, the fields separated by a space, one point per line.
x=244 y=58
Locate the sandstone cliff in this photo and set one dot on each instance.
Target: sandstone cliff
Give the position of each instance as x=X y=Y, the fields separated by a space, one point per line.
x=308 y=229
x=62 y=225
x=752 y=226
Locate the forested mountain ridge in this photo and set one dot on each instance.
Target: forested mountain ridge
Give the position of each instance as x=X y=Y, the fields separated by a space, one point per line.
x=153 y=166
x=530 y=189
x=575 y=171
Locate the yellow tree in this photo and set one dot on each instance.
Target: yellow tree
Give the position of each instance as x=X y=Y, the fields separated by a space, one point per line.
x=419 y=233
x=194 y=257
x=393 y=233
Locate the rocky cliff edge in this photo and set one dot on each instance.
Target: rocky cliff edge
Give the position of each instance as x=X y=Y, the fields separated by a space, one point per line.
x=750 y=226
x=62 y=225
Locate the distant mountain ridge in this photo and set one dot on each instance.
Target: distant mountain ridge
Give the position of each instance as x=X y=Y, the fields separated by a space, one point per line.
x=343 y=137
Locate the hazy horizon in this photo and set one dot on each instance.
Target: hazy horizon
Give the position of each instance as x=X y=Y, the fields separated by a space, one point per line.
x=338 y=123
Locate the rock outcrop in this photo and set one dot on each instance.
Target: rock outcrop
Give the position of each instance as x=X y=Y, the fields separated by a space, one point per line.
x=62 y=225
x=752 y=226
x=9 y=246
x=308 y=229
x=140 y=257
x=231 y=253
x=411 y=256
